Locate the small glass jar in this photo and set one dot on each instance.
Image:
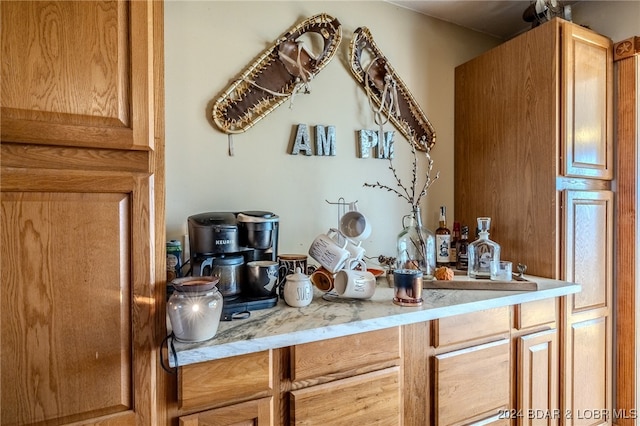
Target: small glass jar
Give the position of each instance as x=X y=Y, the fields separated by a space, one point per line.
x=482 y=251
x=416 y=246
x=194 y=309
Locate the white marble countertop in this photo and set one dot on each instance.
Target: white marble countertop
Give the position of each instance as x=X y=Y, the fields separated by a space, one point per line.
x=328 y=317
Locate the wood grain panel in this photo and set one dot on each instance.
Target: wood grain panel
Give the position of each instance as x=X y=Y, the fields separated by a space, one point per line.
x=71 y=158
x=66 y=264
x=251 y=413
x=589 y=247
x=628 y=138
x=415 y=369
x=471 y=327
x=225 y=380
x=371 y=399
x=587 y=60
x=50 y=53
x=344 y=353
x=471 y=383
x=506 y=135
x=589 y=380
x=537 y=378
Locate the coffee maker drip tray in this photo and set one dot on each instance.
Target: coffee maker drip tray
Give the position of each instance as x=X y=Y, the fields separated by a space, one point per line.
x=240 y=307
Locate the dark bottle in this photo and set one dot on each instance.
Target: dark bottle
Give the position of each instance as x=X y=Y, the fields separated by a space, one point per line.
x=453 y=248
x=462 y=262
x=443 y=240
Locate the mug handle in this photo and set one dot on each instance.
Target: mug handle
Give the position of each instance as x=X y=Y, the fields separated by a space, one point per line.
x=359 y=262
x=334 y=230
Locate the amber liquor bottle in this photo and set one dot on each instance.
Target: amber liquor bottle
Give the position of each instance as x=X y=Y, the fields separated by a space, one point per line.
x=453 y=248
x=462 y=261
x=443 y=240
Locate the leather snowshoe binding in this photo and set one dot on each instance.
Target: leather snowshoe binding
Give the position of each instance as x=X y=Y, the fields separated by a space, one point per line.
x=388 y=95
x=279 y=73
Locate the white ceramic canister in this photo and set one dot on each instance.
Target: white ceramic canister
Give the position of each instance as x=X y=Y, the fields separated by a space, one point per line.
x=298 y=290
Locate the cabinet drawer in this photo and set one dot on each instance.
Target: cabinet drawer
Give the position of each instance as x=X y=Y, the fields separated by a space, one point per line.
x=368 y=399
x=225 y=380
x=344 y=353
x=471 y=326
x=537 y=313
x=258 y=412
x=472 y=383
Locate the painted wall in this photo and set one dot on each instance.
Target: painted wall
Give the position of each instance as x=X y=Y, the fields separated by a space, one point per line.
x=208 y=43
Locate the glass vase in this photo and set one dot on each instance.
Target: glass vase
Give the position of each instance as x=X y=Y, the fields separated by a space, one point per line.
x=416 y=246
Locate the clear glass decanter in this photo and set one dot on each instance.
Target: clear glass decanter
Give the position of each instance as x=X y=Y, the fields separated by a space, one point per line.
x=482 y=251
x=416 y=247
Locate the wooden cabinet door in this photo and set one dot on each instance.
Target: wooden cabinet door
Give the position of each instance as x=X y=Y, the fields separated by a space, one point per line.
x=71 y=296
x=472 y=384
x=537 y=378
x=587 y=64
x=368 y=399
x=588 y=248
x=67 y=73
x=251 y=413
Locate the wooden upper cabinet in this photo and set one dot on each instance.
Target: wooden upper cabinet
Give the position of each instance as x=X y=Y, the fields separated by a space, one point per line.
x=68 y=69
x=587 y=63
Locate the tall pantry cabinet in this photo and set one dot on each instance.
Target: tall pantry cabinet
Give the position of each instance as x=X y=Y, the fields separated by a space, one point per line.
x=82 y=187
x=533 y=150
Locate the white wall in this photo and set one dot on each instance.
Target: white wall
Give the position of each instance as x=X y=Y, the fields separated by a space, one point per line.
x=208 y=43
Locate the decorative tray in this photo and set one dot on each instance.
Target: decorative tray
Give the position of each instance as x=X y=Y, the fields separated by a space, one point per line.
x=466 y=283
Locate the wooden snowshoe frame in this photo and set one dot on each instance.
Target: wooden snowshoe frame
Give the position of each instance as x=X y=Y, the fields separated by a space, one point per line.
x=281 y=71
x=384 y=87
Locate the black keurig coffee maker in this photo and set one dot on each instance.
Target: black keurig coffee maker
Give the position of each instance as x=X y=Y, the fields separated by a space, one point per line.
x=222 y=243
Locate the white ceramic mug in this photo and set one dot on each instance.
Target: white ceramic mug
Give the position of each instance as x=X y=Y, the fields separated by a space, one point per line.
x=355 y=225
x=328 y=253
x=355 y=249
x=355 y=283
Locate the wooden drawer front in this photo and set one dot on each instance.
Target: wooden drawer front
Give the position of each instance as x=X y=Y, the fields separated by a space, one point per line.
x=344 y=353
x=472 y=326
x=225 y=380
x=368 y=399
x=258 y=412
x=472 y=383
x=537 y=313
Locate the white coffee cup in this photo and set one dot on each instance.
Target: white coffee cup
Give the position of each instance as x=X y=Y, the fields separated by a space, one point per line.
x=328 y=253
x=355 y=225
x=355 y=283
x=356 y=251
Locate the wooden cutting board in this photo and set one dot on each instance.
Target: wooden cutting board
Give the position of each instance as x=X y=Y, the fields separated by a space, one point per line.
x=466 y=283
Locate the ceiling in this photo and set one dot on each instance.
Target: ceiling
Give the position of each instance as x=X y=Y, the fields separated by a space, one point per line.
x=502 y=19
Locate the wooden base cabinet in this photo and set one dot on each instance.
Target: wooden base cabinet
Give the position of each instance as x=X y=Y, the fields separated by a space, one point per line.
x=497 y=366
